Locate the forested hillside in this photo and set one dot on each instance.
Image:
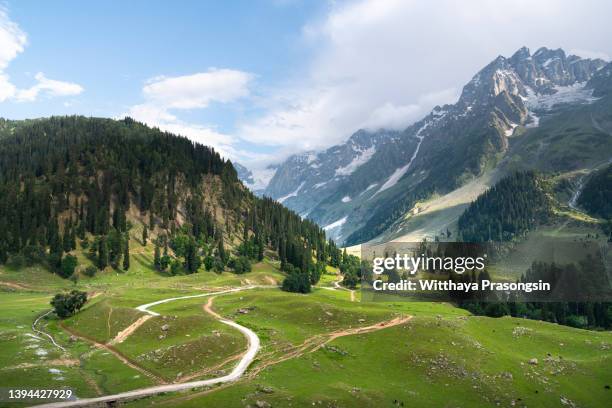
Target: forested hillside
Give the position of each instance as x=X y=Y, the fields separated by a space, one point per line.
x=596 y=197
x=69 y=178
x=510 y=208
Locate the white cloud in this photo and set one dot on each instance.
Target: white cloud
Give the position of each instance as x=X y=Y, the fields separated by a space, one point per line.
x=197 y=90
x=590 y=54
x=12 y=42
x=386 y=63
x=164 y=96
x=48 y=87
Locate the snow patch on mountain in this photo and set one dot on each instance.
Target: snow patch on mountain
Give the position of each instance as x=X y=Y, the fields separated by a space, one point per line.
x=363 y=157
x=564 y=94
x=510 y=130
x=292 y=194
x=399 y=173
x=336 y=224
x=371 y=186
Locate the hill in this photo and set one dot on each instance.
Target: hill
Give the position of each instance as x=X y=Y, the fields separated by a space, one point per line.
x=596 y=196
x=510 y=208
x=69 y=178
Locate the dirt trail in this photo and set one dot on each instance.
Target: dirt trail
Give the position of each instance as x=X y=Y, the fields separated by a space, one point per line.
x=208 y=308
x=127 y=332
x=116 y=353
x=367 y=329
x=314 y=343
x=108 y=319
x=337 y=286
x=237 y=372
x=14 y=285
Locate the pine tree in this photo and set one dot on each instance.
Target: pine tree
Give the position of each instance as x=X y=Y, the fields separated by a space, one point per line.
x=126 y=252
x=73 y=244
x=102 y=253
x=145 y=235
x=157 y=257
x=221 y=250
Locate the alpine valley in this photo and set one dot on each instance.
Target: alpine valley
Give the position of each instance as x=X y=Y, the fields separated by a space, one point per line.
x=545 y=111
x=138 y=269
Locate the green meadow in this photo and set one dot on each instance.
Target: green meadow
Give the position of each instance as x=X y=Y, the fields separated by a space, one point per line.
x=313 y=349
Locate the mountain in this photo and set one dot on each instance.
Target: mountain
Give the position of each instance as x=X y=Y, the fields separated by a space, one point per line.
x=441 y=163
x=68 y=177
x=302 y=179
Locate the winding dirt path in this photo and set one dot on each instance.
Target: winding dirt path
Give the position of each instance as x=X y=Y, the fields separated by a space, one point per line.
x=235 y=374
x=245 y=359
x=338 y=287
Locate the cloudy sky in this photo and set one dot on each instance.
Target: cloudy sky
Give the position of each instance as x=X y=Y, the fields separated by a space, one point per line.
x=262 y=79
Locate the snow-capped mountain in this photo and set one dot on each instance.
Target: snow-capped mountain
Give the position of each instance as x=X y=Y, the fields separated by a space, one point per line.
x=359 y=189
x=303 y=179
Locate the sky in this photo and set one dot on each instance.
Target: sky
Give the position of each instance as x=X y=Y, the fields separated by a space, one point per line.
x=260 y=80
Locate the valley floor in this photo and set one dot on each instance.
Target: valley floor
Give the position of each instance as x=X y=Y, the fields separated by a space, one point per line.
x=324 y=349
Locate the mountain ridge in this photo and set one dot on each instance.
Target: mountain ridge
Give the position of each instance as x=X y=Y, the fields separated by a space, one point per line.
x=451 y=145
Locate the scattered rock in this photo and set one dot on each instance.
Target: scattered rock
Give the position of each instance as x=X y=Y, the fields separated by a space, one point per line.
x=265 y=389
x=362 y=320
x=335 y=349
x=73 y=338
x=507 y=375
x=245 y=310
x=262 y=404
x=521 y=331
x=533 y=361
x=165 y=327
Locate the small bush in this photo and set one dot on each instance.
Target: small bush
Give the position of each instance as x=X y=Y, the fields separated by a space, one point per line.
x=90 y=271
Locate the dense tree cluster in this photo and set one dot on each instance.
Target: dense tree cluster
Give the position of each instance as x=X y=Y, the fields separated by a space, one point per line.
x=596 y=196
x=66 y=304
x=575 y=282
x=509 y=209
x=65 y=178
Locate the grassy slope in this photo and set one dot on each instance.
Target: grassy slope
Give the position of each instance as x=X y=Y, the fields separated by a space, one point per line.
x=440 y=358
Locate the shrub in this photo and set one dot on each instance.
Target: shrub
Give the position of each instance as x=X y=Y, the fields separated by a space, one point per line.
x=69 y=264
x=66 y=304
x=90 y=271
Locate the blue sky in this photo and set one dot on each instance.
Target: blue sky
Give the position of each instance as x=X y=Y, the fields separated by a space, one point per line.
x=260 y=80
x=112 y=49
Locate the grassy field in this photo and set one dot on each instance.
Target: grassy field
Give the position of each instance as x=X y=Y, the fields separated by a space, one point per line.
x=433 y=361
x=313 y=349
